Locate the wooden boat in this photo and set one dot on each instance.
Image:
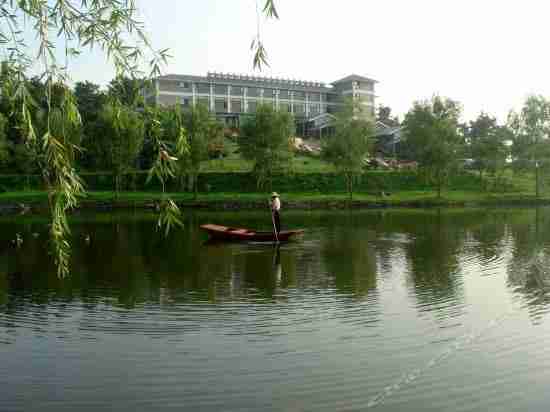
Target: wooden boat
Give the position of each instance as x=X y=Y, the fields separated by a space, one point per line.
x=218 y=232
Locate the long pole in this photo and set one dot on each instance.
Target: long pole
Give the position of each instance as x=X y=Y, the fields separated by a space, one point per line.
x=273 y=221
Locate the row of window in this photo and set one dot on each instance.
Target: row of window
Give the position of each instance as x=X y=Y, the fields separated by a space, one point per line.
x=237 y=106
x=369 y=86
x=364 y=98
x=219 y=89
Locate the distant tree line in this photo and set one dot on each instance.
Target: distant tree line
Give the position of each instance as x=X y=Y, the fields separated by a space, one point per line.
x=434 y=136
x=116 y=132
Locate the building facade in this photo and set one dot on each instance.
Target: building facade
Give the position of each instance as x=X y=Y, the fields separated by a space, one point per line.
x=232 y=96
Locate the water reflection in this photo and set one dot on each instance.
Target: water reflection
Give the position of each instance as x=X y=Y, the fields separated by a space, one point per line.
x=122 y=258
x=529 y=266
x=367 y=303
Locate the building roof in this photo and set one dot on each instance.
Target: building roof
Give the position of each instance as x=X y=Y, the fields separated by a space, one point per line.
x=382 y=129
x=355 y=77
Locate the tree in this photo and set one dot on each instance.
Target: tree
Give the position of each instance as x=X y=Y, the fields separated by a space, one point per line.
x=5 y=144
x=201 y=128
x=122 y=132
x=432 y=132
x=111 y=25
x=383 y=114
x=126 y=90
x=347 y=149
x=90 y=100
x=530 y=135
x=265 y=140
x=485 y=140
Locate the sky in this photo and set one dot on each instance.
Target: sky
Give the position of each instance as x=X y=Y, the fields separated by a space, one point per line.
x=489 y=55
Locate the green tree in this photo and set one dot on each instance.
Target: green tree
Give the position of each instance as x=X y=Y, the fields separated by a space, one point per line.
x=90 y=100
x=265 y=140
x=122 y=131
x=5 y=144
x=530 y=135
x=111 y=25
x=126 y=90
x=349 y=146
x=432 y=133
x=201 y=128
x=384 y=115
x=485 y=140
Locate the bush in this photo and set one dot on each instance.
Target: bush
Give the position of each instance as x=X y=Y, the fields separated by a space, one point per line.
x=234 y=182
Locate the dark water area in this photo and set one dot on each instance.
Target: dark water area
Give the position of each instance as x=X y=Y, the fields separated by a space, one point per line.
x=421 y=310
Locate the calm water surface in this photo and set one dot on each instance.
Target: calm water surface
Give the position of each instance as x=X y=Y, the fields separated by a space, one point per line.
x=389 y=310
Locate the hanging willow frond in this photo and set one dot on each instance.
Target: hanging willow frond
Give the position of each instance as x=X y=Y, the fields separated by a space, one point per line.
x=169 y=216
x=260 y=55
x=165 y=166
x=269 y=9
x=49 y=126
x=257 y=47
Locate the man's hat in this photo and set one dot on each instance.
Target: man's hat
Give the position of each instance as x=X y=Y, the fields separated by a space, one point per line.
x=274 y=194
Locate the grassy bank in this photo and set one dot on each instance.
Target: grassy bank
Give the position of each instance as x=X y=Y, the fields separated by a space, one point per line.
x=304 y=200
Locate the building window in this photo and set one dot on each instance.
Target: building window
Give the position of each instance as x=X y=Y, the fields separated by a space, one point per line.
x=314 y=97
x=269 y=93
x=314 y=109
x=253 y=92
x=252 y=107
x=183 y=85
x=203 y=88
x=332 y=98
x=220 y=89
x=220 y=105
x=369 y=86
x=185 y=102
x=299 y=95
x=284 y=94
x=236 y=91
x=236 y=106
x=299 y=108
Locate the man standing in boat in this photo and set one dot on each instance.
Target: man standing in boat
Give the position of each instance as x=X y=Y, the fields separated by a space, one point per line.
x=275 y=210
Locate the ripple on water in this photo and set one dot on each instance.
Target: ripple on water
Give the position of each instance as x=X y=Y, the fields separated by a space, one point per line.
x=395 y=324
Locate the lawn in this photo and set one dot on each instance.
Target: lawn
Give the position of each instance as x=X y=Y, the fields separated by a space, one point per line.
x=233 y=162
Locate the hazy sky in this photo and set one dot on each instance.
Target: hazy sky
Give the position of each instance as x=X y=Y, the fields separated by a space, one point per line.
x=487 y=54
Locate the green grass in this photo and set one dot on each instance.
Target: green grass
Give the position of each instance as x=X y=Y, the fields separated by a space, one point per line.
x=233 y=162
x=300 y=164
x=418 y=198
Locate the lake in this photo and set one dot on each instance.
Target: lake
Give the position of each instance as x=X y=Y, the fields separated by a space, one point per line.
x=390 y=310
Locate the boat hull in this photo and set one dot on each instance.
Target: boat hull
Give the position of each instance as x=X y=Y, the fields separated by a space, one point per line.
x=218 y=232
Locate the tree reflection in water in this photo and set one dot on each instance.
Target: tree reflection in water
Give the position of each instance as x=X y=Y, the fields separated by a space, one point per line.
x=119 y=259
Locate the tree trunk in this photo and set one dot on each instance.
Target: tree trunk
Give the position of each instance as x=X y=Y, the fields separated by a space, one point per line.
x=536 y=179
x=439 y=184
x=481 y=177
x=195 y=186
x=181 y=182
x=350 y=189
x=116 y=185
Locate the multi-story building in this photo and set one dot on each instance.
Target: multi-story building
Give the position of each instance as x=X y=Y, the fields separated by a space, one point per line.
x=231 y=96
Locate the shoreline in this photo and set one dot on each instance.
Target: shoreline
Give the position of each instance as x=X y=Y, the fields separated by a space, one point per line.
x=36 y=202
